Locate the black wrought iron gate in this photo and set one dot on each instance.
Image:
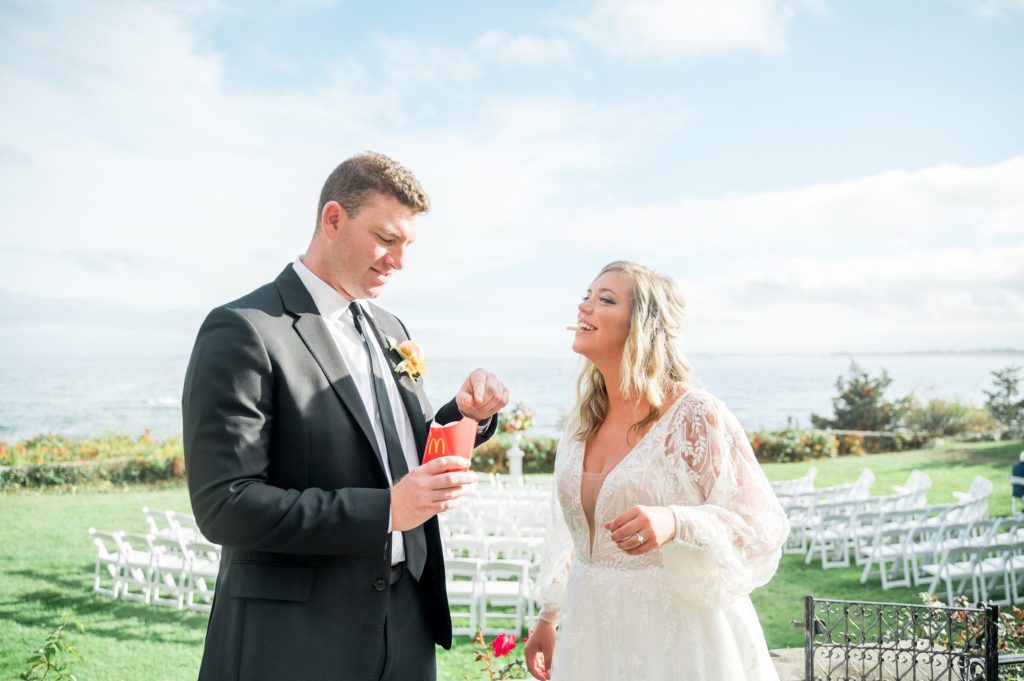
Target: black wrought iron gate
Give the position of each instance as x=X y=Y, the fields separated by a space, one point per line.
x=865 y=641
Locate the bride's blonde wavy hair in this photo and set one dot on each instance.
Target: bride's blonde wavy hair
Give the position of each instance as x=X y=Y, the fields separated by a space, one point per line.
x=652 y=366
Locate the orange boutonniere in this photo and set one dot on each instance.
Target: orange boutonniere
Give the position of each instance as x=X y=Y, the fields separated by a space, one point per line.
x=412 y=364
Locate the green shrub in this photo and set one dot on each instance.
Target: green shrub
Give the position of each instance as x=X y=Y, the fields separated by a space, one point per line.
x=1001 y=402
x=538 y=454
x=50 y=448
x=861 y=403
x=876 y=443
x=794 y=444
x=941 y=418
x=58 y=461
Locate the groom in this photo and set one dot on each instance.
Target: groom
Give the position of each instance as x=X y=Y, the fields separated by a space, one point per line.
x=302 y=444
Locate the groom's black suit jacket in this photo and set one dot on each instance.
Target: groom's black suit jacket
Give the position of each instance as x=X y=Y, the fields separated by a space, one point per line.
x=283 y=472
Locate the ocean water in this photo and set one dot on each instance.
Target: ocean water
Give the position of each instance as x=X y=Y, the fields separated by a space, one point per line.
x=92 y=395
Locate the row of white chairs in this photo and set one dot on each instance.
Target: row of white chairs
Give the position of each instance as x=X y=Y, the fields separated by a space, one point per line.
x=860 y=489
x=493 y=548
x=843 y=529
x=166 y=523
x=900 y=555
x=506 y=481
x=155 y=569
x=992 y=570
x=796 y=485
x=811 y=515
x=492 y=596
x=482 y=524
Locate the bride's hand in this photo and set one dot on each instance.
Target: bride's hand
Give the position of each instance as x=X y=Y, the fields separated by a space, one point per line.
x=655 y=525
x=539 y=649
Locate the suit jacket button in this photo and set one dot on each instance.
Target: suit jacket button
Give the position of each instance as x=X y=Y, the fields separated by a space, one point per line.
x=380 y=585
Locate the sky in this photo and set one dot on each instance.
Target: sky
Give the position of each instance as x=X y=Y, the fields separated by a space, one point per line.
x=817 y=175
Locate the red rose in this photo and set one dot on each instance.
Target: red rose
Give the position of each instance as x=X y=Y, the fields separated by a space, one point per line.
x=503 y=644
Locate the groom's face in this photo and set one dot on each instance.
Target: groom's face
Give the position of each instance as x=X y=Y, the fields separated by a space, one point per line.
x=367 y=249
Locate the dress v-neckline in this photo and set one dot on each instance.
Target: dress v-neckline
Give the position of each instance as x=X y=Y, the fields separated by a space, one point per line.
x=618 y=464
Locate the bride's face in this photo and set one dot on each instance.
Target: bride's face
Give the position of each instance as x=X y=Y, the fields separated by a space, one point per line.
x=604 y=316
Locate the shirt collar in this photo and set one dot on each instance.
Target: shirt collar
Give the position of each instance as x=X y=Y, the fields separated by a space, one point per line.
x=329 y=302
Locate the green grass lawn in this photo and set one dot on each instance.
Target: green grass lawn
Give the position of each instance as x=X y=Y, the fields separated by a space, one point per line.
x=46 y=565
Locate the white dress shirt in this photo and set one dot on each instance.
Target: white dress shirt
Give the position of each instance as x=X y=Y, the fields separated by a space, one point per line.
x=334 y=308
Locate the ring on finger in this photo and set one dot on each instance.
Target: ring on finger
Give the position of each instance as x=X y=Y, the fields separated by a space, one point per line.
x=640 y=538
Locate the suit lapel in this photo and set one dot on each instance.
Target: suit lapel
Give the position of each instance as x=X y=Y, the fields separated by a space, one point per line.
x=405 y=388
x=313 y=331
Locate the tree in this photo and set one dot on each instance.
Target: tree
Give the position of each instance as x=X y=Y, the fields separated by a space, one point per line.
x=1001 y=402
x=861 y=403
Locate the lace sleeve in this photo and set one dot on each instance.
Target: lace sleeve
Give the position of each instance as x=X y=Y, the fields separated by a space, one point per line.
x=731 y=543
x=557 y=553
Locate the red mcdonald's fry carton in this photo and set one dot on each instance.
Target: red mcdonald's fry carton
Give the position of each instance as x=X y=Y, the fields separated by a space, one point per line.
x=455 y=438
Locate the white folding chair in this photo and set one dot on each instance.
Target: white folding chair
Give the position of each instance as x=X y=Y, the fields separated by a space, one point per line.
x=889 y=552
x=466 y=547
x=158 y=522
x=503 y=596
x=980 y=487
x=184 y=526
x=108 y=564
x=463 y=582
x=507 y=480
x=136 y=563
x=510 y=549
x=533 y=604
x=202 y=566
x=993 y=572
x=957 y=565
x=167 y=573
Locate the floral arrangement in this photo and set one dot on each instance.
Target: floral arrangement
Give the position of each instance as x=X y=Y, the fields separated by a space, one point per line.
x=502 y=645
x=412 y=364
x=520 y=418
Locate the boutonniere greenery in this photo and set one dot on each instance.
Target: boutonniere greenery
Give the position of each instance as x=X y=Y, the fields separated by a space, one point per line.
x=412 y=364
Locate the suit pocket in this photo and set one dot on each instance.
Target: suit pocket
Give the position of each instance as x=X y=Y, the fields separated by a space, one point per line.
x=272 y=581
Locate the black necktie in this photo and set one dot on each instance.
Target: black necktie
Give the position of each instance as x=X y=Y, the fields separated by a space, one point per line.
x=415 y=540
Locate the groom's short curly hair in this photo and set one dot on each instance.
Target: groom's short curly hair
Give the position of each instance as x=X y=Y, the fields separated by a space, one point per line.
x=352 y=183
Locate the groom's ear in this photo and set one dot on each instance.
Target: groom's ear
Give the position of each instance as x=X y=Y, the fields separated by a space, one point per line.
x=332 y=218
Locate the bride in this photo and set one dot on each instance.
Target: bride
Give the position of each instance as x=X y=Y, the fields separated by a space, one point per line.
x=667 y=522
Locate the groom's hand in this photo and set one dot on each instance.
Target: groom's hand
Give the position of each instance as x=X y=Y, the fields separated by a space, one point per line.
x=481 y=396
x=429 y=490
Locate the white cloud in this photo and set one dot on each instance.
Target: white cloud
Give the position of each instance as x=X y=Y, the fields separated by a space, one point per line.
x=522 y=49
x=900 y=260
x=130 y=172
x=674 y=28
x=414 y=61
x=993 y=8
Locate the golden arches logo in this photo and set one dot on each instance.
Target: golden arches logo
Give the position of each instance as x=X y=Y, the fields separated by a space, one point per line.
x=437 y=446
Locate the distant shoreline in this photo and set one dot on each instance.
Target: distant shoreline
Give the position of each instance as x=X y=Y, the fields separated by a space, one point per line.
x=992 y=352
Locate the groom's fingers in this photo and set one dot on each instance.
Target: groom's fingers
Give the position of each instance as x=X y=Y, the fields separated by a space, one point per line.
x=481 y=395
x=428 y=490
x=478 y=382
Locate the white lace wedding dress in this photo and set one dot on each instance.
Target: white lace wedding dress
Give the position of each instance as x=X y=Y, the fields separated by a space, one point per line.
x=680 y=611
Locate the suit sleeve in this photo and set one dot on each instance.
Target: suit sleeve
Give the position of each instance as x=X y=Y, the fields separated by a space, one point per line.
x=450 y=413
x=227 y=409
